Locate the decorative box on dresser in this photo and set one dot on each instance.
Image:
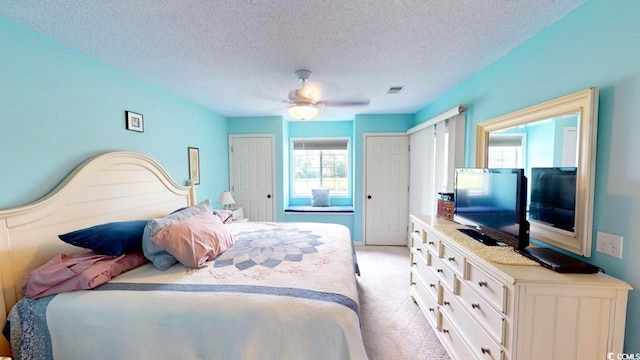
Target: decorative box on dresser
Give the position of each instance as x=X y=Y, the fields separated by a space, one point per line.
x=482 y=309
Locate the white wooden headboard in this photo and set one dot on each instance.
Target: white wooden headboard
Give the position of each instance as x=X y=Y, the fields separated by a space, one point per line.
x=115 y=186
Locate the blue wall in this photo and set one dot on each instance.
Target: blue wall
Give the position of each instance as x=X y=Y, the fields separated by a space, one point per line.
x=284 y=130
x=540 y=145
x=596 y=45
x=561 y=124
x=59 y=107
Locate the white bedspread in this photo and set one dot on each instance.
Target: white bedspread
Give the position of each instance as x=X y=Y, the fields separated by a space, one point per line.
x=283 y=291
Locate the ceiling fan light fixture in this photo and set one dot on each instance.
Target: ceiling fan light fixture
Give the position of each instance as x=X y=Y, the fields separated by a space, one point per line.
x=303 y=112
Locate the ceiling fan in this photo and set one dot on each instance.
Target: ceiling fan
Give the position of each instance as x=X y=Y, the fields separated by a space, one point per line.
x=304 y=106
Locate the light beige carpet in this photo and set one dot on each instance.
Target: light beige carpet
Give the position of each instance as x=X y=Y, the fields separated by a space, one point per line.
x=393 y=326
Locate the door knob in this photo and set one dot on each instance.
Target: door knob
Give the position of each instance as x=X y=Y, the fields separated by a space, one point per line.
x=269 y=196
x=369 y=197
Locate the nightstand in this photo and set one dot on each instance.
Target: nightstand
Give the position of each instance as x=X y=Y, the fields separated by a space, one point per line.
x=238 y=215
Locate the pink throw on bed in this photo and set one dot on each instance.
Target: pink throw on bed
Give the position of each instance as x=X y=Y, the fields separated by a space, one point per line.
x=66 y=273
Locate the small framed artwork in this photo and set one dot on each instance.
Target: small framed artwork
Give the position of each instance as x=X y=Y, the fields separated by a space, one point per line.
x=194 y=165
x=134 y=121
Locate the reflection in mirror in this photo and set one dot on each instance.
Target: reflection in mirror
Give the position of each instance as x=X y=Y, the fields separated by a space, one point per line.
x=547 y=150
x=555 y=143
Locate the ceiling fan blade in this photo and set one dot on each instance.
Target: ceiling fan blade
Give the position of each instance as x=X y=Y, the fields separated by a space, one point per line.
x=293 y=95
x=301 y=95
x=344 y=103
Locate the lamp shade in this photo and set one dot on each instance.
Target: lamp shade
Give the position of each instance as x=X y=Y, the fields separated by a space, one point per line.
x=226 y=198
x=303 y=112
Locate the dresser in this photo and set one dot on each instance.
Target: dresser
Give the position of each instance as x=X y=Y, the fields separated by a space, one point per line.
x=482 y=309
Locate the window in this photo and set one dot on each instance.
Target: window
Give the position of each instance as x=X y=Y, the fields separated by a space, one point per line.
x=505 y=151
x=320 y=163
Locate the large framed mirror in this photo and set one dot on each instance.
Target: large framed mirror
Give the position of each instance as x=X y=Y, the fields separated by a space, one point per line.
x=555 y=142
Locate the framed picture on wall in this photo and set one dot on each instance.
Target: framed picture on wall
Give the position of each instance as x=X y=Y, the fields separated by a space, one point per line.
x=134 y=121
x=194 y=165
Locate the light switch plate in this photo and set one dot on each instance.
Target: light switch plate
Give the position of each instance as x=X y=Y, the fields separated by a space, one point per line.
x=609 y=244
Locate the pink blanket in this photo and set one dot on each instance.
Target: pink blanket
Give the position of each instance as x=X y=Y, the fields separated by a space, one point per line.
x=83 y=271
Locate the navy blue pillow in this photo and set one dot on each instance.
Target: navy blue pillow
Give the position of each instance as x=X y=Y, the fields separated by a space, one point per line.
x=113 y=239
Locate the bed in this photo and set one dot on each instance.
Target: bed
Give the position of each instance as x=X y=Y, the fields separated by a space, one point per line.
x=281 y=291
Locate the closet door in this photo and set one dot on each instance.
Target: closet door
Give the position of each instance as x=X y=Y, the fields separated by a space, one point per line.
x=386 y=190
x=251 y=163
x=436 y=151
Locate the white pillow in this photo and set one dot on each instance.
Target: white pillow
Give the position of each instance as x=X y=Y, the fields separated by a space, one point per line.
x=320 y=197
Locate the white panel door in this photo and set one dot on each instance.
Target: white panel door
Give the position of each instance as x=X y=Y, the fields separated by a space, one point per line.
x=386 y=190
x=251 y=163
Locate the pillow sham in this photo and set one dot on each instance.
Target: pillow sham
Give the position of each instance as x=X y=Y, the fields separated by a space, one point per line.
x=113 y=239
x=195 y=240
x=320 y=197
x=66 y=273
x=161 y=259
x=226 y=216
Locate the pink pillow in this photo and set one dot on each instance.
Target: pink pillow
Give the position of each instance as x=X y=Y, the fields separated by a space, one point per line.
x=195 y=240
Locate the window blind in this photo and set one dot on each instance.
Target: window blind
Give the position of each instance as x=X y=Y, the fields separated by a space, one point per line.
x=320 y=144
x=505 y=140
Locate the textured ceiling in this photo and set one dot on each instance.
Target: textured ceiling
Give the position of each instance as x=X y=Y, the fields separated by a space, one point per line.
x=238 y=57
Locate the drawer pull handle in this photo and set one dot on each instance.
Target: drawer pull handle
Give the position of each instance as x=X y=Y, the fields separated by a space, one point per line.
x=432 y=309
x=439 y=270
x=475 y=306
x=418 y=249
x=414 y=264
x=446 y=303
x=432 y=285
x=430 y=243
x=485 y=350
x=413 y=283
x=445 y=331
x=482 y=283
x=417 y=231
x=451 y=258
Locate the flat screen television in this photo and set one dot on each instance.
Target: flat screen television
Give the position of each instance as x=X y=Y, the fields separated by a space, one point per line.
x=492 y=203
x=553 y=197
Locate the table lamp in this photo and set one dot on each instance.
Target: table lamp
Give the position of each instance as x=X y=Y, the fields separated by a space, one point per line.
x=226 y=199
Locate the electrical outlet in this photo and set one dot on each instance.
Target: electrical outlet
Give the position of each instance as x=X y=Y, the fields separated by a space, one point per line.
x=609 y=244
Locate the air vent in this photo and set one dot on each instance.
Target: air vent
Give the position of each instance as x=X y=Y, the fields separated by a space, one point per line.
x=394 y=89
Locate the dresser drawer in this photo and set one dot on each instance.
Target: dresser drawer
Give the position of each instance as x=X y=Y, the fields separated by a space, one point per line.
x=428 y=305
x=443 y=272
x=417 y=230
x=418 y=246
x=455 y=260
x=432 y=243
x=488 y=287
x=454 y=341
x=428 y=279
x=491 y=320
x=478 y=340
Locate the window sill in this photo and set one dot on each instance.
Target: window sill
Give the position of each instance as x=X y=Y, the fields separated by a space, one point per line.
x=305 y=209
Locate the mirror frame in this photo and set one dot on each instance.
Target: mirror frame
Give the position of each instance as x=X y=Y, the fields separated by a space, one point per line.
x=584 y=102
